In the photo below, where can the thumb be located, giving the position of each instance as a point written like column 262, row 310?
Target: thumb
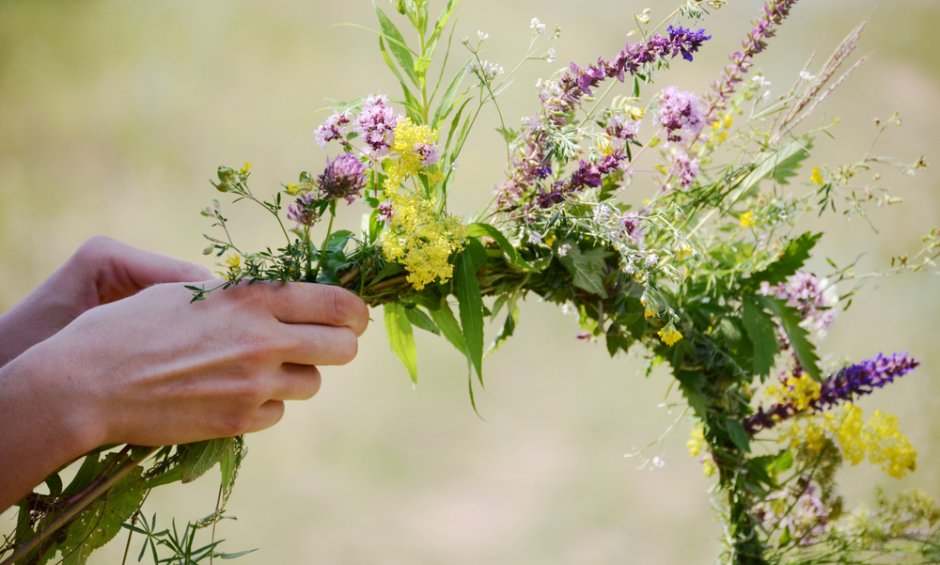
column 127, row 270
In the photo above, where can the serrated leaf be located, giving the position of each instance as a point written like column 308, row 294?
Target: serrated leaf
column 471, row 301
column 802, row 347
column 781, row 163
column 763, row 335
column 738, row 435
column 793, row 257
column 587, row 267
column 103, row 519
column 419, row 319
column 401, row 338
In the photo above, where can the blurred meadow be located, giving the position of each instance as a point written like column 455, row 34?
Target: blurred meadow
column 115, row 114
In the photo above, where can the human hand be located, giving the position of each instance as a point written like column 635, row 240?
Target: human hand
column 101, row 271
column 154, row 369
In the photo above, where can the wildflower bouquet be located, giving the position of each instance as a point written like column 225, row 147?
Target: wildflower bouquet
column 707, row 270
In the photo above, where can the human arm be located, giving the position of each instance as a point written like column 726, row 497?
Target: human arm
column 153, row 369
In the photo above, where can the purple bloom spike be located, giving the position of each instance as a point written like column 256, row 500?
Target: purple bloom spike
column 846, row 385
column 775, row 11
column 343, row 177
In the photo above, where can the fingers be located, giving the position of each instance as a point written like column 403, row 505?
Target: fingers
column 300, row 303
column 318, row 345
column 296, row 382
column 122, row 270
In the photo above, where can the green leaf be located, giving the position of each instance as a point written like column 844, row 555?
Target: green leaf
column 103, row 519
column 338, row 240
column 440, row 26
column 762, row 333
column 397, row 45
column 781, row 164
column 200, row 457
column 509, row 326
column 793, row 257
column 738, row 435
column 450, row 97
column 588, row 268
column 781, row 464
column 401, row 338
column 419, row 319
column 447, row 323
column 394, row 68
column 231, row 459
column 802, row 347
column 512, row 255
column 471, row 301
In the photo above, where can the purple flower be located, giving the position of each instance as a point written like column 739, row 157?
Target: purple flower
column 428, row 153
column 343, row 177
column 376, row 124
column 684, row 170
column 385, row 211
column 680, row 114
column 633, row 227
column 333, row 128
column 846, row 385
column 814, row 298
column 303, row 210
column 775, row 11
column 686, row 40
column 621, row 128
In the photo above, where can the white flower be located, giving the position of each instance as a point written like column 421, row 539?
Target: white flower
column 535, row 237
column 759, row 80
column 537, row 26
column 483, row 35
column 658, row 462
column 807, row 76
column 564, row 249
column 487, row 70
column 550, row 56
column 652, row 260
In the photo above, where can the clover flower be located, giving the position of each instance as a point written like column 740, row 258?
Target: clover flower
column 622, row 128
column 376, row 124
column 343, row 177
column 680, row 114
column 333, row 128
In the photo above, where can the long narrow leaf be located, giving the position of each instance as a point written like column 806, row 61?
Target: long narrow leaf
column 471, row 302
column 401, row 338
column 397, row 45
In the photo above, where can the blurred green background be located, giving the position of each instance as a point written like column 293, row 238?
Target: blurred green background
column 114, row 115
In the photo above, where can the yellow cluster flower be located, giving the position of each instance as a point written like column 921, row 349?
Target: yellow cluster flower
column 721, row 128
column 879, row 440
column 421, row 239
column 233, row 261
column 670, row 335
column 888, row 447
column 696, row 443
column 800, row 391
column 408, row 161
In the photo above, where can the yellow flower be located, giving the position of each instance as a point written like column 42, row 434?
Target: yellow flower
column 421, row 239
column 670, row 335
column 747, row 220
column 233, row 261
column 888, row 447
column 649, row 313
column 407, row 161
column 696, row 443
column 709, row 468
column 683, row 253
column 246, row 168
column 816, row 177
column 634, row 112
column 849, row 433
column 800, row 391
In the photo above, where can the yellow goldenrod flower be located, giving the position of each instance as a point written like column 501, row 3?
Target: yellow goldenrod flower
column 849, row 433
column 408, row 158
column 888, row 447
column 747, row 220
column 800, row 391
column 670, row 335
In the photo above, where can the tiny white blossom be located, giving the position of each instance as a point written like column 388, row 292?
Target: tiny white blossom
column 566, row 309
column 564, row 249
column 652, row 260
column 537, row 26
column 483, row 35
column 535, row 237
column 550, row 56
column 658, row 462
column 807, row 76
column 759, row 80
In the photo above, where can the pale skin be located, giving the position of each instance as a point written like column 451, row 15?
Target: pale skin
column 109, row 350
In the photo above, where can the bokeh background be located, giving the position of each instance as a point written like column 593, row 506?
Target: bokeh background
column 115, row 114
